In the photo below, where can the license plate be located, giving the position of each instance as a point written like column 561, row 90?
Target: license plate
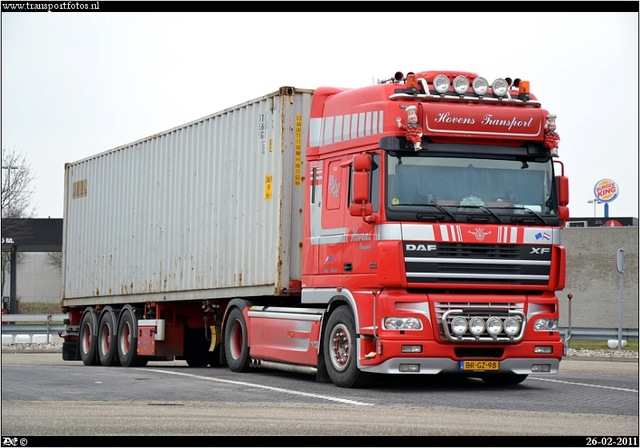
column 479, row 365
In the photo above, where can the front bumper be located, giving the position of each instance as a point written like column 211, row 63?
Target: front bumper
column 434, row 366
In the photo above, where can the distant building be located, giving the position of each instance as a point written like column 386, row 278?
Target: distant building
column 602, row 222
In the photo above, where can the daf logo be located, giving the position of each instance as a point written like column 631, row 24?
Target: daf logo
column 539, row 250
column 421, row 247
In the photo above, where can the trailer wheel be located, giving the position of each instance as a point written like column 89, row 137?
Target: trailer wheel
column 504, row 379
column 128, row 341
column 88, row 338
column 235, row 346
column 107, row 340
column 340, row 351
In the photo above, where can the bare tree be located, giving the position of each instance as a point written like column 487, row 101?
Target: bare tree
column 54, row 260
column 17, row 189
column 17, row 192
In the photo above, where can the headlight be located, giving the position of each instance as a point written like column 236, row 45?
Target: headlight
column 500, row 87
column 459, row 325
column 441, row 84
column 461, row 85
column 494, row 326
column 480, row 86
column 402, row 323
column 476, row 326
column 545, row 325
column 511, row 326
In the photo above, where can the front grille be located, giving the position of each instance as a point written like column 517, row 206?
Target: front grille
column 476, row 263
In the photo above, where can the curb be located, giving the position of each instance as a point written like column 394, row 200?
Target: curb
column 599, row 358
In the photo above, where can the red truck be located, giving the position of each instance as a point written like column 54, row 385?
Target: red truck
column 408, row 227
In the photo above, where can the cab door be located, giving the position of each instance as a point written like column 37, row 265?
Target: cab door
column 360, row 250
column 331, row 232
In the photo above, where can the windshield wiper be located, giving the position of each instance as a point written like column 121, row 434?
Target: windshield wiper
column 442, row 209
column 519, row 219
column 483, row 208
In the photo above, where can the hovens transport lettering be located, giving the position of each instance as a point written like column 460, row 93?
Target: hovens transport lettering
column 487, row 120
column 410, row 227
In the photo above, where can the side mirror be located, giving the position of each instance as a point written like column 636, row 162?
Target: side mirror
column 362, row 162
column 361, row 186
column 363, row 210
column 361, row 205
column 563, row 190
column 563, row 213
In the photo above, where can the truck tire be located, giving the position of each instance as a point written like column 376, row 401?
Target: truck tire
column 235, row 345
column 340, row 350
column 128, row 341
column 504, row 379
column 107, row 339
column 88, row 341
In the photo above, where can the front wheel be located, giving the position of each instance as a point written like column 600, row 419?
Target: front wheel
column 340, row 350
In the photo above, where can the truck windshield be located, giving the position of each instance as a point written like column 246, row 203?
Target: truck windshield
column 451, row 188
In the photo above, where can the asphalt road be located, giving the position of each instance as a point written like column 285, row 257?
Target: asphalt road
column 45, row 396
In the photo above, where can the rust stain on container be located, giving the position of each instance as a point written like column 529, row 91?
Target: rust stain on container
column 200, row 236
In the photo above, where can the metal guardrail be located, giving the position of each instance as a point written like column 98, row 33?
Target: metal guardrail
column 598, row 334
column 34, row 317
column 48, row 327
column 32, row 329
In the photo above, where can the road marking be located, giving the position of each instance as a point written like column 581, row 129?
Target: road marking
column 584, row 384
column 275, row 389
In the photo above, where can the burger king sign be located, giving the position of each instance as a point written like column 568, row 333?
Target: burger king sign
column 606, row 190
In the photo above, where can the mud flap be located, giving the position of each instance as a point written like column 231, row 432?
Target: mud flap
column 321, row 374
column 70, row 351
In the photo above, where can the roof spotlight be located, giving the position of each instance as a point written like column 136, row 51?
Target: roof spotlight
column 500, row 87
column 480, row 86
column 461, row 84
column 441, row 83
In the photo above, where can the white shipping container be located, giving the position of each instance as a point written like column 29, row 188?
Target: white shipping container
column 209, row 209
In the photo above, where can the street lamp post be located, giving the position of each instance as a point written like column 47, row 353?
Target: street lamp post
column 9, row 168
column 13, row 261
column 594, row 202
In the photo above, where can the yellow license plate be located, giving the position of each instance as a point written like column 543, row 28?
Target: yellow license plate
column 479, row 365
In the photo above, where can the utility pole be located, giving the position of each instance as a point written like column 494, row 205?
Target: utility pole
column 13, row 261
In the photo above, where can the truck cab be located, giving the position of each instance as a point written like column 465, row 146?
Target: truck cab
column 444, row 250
